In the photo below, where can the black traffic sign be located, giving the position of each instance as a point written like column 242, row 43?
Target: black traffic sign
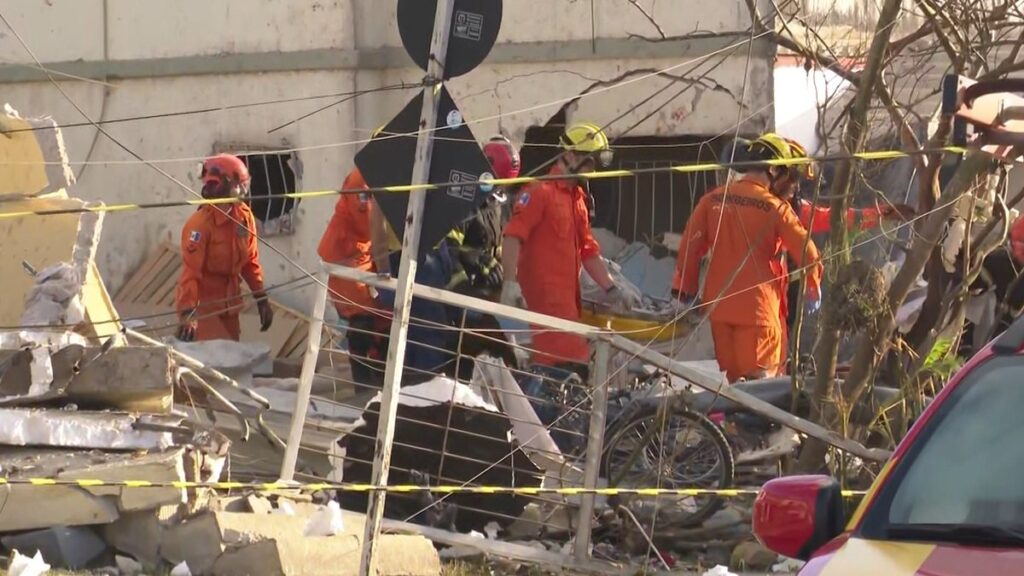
column 475, row 25
column 388, row 160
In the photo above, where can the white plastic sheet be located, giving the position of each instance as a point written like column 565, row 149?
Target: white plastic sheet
column 22, row 565
column 326, row 521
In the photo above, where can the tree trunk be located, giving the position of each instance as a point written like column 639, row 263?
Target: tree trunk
column 877, row 341
column 826, row 350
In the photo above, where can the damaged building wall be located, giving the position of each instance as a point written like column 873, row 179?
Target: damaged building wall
column 164, row 58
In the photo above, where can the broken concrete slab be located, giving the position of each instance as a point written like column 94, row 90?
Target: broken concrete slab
column 249, row 544
column 137, row 534
column 197, row 541
column 88, row 430
column 35, row 158
column 130, row 378
column 33, row 507
column 257, row 558
column 43, row 242
column 237, row 360
column 62, row 546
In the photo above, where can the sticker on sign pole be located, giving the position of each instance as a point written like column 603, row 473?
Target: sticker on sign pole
column 485, row 182
column 475, row 26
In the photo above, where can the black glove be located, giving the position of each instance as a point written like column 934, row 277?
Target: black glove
column 187, row 326
column 266, row 311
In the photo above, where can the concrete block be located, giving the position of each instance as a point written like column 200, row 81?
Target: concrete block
column 225, row 543
column 259, row 558
column 197, row 541
column 62, row 547
column 137, row 534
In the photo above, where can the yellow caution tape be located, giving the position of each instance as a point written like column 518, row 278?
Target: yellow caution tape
column 397, row 489
column 681, row 168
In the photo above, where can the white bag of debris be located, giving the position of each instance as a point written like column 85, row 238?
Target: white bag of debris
column 326, row 521
column 22, row 565
column 56, row 297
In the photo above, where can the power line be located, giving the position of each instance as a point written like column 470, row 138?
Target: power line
column 685, row 168
column 211, row 109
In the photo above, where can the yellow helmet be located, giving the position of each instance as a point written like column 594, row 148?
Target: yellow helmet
column 587, row 138
column 771, row 146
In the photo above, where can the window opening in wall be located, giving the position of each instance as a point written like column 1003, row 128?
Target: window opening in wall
column 643, row 208
column 273, row 174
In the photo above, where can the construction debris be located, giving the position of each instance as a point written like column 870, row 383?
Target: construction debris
column 63, row 547
column 447, row 434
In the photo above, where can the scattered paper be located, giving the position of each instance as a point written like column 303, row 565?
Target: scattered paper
column 181, row 570
column 22, row 565
column 326, row 521
column 719, row 571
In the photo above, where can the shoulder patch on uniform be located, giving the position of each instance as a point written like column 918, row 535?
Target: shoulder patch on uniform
column 194, row 236
column 524, row 198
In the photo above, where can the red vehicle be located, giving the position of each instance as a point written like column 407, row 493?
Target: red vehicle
column 950, row 502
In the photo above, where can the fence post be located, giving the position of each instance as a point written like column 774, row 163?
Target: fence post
column 309, row 360
column 595, row 446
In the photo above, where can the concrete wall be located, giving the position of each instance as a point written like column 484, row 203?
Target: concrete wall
column 163, row 57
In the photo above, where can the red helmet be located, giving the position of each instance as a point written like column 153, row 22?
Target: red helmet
column 1017, row 240
column 503, row 156
column 225, row 168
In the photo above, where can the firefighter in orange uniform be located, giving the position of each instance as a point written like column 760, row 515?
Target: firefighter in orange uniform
column 218, row 249
column 346, row 241
column 546, row 243
column 746, row 227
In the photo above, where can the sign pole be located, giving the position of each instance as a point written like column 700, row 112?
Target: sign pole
column 406, row 277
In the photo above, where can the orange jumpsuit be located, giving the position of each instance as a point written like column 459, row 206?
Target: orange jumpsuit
column 218, row 249
column 347, row 242
column 745, row 228
column 552, row 221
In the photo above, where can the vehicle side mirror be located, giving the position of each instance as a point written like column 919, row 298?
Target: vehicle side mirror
column 795, row 516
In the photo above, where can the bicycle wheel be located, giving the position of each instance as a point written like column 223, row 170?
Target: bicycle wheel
column 671, row 448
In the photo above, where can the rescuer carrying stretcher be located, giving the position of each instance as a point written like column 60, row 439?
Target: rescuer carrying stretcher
column 745, row 228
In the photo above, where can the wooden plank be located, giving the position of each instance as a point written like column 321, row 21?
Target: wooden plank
column 150, row 283
column 145, row 277
column 156, row 327
column 297, row 343
column 169, row 280
column 141, row 273
column 274, row 337
column 169, row 291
